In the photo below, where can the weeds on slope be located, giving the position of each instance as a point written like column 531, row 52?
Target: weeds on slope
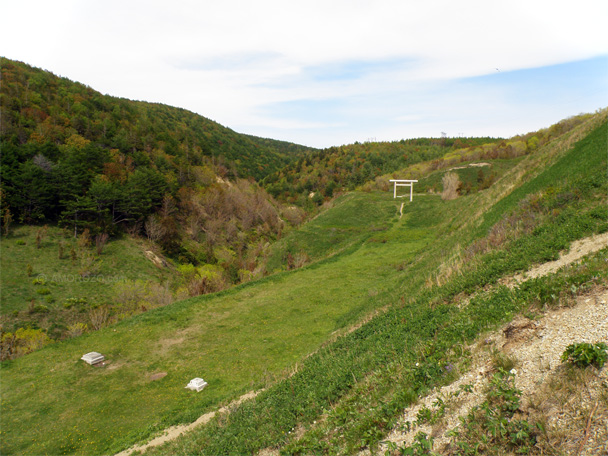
column 392, row 363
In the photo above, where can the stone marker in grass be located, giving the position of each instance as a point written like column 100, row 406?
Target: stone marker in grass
column 196, row 384
column 93, row 358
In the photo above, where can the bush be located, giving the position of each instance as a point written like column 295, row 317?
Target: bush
column 77, row 329
column 70, row 302
column 584, row 354
column 22, row 342
column 40, row 308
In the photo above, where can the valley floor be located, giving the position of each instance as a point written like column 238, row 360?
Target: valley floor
column 578, row 424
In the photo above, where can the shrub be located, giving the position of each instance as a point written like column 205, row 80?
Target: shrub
column 84, row 240
column 99, row 317
column 208, row 279
column 131, row 295
column 40, row 235
column 70, row 302
column 89, row 265
column 77, row 329
column 100, row 242
column 584, row 354
column 40, row 308
column 23, row 341
column 6, row 222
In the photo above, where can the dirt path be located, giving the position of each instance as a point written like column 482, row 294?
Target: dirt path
column 578, row 249
column 536, row 347
column 175, row 431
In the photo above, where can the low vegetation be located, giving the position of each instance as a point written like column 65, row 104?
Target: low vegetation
column 584, row 354
column 56, row 287
column 343, row 321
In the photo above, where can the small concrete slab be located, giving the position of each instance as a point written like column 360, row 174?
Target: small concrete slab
column 93, row 358
column 196, row 384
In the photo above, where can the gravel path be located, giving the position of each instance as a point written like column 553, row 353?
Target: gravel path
column 536, row 346
column 175, row 431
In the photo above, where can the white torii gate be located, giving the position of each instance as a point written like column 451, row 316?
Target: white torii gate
column 403, row 183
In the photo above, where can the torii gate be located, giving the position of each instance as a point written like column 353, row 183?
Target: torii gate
column 403, row 183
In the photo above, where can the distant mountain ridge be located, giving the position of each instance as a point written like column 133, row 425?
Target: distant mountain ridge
column 38, row 107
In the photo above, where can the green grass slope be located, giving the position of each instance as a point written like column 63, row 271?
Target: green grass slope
column 234, row 340
column 43, row 297
column 346, row 224
column 251, row 336
column 347, row 396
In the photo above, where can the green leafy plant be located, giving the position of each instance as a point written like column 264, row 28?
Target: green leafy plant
column 423, row 445
column 491, row 427
column 585, row 354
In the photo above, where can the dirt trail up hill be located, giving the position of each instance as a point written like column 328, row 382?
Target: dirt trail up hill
column 175, row 431
column 537, row 348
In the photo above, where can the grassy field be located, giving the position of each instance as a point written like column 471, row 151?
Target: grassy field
column 333, row 231
column 253, row 335
column 236, row 340
column 346, row 396
column 40, row 296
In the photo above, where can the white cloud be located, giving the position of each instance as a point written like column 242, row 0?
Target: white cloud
column 229, row 60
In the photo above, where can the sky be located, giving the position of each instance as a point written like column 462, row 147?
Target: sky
column 326, row 73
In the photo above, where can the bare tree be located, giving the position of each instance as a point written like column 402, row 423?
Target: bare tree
column 154, row 229
column 450, row 182
column 100, row 242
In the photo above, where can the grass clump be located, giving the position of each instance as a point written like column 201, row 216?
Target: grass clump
column 492, row 427
column 585, row 354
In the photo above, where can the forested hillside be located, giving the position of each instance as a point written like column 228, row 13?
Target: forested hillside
column 40, row 108
column 343, row 168
column 88, row 161
column 71, row 153
column 319, row 174
column 81, row 170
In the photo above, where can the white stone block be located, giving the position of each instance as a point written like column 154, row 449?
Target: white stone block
column 93, row 358
column 196, row 384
